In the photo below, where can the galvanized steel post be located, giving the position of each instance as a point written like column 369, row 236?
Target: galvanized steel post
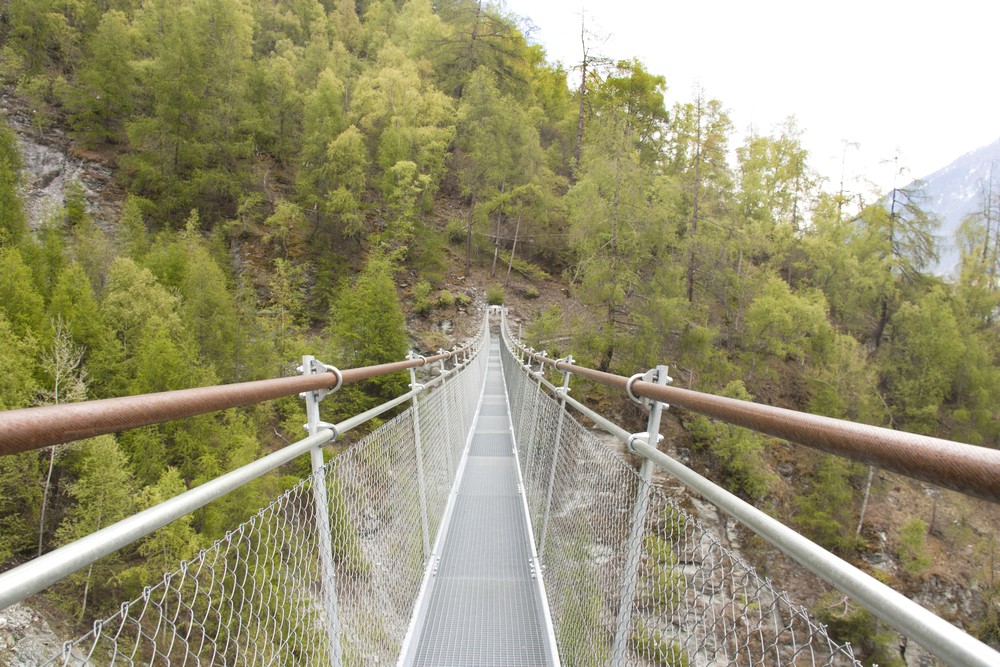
column 329, row 574
column 533, row 423
column 419, row 452
column 563, row 392
column 630, row 572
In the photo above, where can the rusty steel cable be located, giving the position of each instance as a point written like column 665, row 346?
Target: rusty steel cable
column 25, row 429
column 968, row 469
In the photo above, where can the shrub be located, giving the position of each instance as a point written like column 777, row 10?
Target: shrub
column 494, row 295
column 422, row 302
column 846, row 621
column 445, row 299
column 653, row 645
column 912, row 554
column 455, row 231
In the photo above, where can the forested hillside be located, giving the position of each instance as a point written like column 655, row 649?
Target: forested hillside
column 293, row 167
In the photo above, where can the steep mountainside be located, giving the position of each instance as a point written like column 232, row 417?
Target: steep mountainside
column 957, row 191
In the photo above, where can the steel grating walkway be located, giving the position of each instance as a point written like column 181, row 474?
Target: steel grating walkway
column 482, row 605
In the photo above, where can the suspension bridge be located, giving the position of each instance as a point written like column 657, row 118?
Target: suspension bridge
column 482, row 525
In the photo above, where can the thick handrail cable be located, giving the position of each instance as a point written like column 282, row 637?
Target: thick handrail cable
column 968, row 469
column 25, row 429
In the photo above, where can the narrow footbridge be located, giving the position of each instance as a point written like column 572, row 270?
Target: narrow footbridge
column 481, row 525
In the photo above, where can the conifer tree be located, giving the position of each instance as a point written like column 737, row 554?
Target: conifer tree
column 367, row 327
column 102, row 494
column 13, row 224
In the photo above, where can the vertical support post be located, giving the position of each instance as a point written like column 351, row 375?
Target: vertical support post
column 447, row 417
column 421, row 482
column 322, row 508
column 630, row 573
column 533, row 423
column 555, row 459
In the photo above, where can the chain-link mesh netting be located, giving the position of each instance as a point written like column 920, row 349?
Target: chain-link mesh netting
column 256, row 597
column 693, row 602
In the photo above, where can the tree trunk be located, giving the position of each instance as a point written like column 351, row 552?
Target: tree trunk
column 45, row 497
column 583, row 94
column 864, row 500
column 883, row 319
column 86, row 593
column 694, row 207
column 513, row 249
column 496, row 235
column 468, row 237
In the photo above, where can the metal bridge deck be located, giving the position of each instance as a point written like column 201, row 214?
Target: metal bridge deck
column 482, row 606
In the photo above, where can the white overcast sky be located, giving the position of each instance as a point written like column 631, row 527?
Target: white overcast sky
column 913, row 78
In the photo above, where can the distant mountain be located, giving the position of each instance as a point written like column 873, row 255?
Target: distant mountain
column 954, row 192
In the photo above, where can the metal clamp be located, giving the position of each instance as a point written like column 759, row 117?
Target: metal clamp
column 325, row 425
column 568, row 359
column 648, row 376
column 315, row 368
column 642, row 436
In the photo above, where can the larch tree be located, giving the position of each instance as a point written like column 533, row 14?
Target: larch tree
column 697, row 144
column 104, row 90
column 20, row 474
column 481, row 36
column 498, row 151
column 102, row 494
column 13, row 223
column 367, row 327
column 191, row 141
column 618, row 221
column 62, row 366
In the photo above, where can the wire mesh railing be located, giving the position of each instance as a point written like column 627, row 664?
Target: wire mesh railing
column 257, row 596
column 329, row 573
column 692, row 602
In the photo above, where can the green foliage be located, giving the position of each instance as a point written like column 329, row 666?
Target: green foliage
column 912, row 550
column 21, row 482
column 422, row 302
column 103, row 494
column 494, row 295
column 988, row 628
column 18, row 359
column 367, row 327
column 656, row 645
column 846, row 621
column 826, row 513
column 103, row 93
column 738, row 450
column 346, row 545
column 191, row 142
column 346, row 165
column 166, row 547
column 19, row 298
column 923, row 359
column 13, row 224
column 787, row 325
column 662, row 583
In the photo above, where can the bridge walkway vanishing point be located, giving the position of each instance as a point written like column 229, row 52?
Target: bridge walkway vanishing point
column 483, row 525
column 484, row 603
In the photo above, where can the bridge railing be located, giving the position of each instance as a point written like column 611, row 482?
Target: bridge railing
column 326, row 574
column 632, row 577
